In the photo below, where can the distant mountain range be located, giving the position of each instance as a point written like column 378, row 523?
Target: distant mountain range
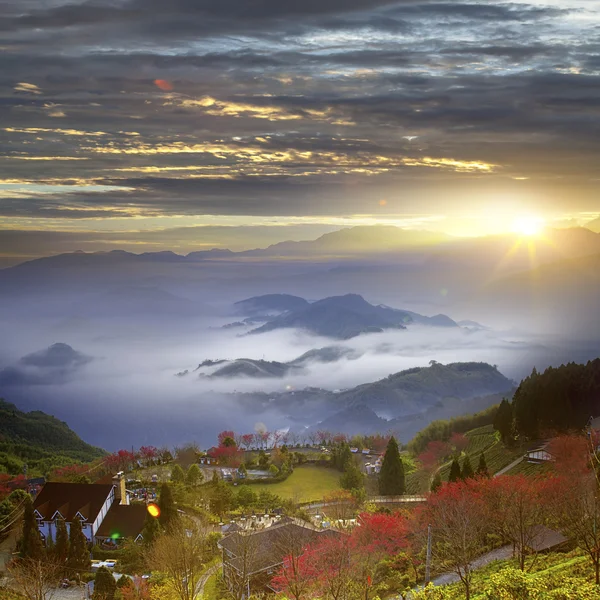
column 339, row 317
column 55, row 364
column 417, row 395
column 259, row 369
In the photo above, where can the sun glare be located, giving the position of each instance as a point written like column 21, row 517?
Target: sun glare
column 528, row 226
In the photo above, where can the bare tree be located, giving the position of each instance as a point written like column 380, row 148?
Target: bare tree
column 36, row 579
column 182, row 554
column 238, row 568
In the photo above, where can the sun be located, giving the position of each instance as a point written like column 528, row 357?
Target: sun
column 528, row 226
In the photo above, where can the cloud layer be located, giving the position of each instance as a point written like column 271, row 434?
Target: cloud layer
column 135, row 108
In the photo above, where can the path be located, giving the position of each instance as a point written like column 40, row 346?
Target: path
column 204, row 579
column 503, row 553
column 509, row 467
column 374, row 500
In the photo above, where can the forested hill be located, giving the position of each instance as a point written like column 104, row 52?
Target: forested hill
column 36, row 438
column 560, row 399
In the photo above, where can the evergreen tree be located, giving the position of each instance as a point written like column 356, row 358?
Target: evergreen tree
column 504, row 420
column 391, row 476
column 177, row 474
column 78, row 558
column 105, row 585
column 467, row 470
column 31, row 540
column 168, row 512
column 482, row 469
column 194, row 476
column 353, row 478
column 61, row 548
column 455, row 473
column 151, row 530
column 436, row 484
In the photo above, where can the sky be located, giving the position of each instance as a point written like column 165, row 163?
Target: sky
column 192, row 124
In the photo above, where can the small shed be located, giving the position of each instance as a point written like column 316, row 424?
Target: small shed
column 544, row 539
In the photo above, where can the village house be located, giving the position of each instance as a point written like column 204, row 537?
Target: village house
column 102, row 508
column 252, row 558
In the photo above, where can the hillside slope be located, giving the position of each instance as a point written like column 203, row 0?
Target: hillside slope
column 38, row 439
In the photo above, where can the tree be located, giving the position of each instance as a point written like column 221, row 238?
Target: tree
column 105, row 585
column 193, row 476
column 482, row 469
column 459, row 523
column 352, row 478
column 391, row 476
column 166, row 504
column 78, row 559
column 459, row 441
column 136, row 589
column 61, row 547
column 455, row 472
column 246, row 496
column 177, row 474
column 35, row 578
column 504, row 420
column 151, row 530
column 181, row 553
column 467, row 470
column 220, row 498
column 436, row 484
column 515, row 506
column 31, row 541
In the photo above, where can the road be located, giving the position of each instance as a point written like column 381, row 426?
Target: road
column 202, row 583
column 509, row 467
column 503, row 553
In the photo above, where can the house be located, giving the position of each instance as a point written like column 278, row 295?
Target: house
column 539, row 455
column 252, row 558
column 544, row 539
column 102, row 508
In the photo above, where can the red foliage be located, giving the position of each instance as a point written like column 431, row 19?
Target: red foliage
column 148, row 454
column 380, row 534
column 247, row 440
column 571, row 454
column 459, row 441
column 433, row 454
column 136, row 589
column 10, row 483
column 224, row 435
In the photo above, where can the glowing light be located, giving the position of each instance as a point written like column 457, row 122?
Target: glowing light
column 382, row 202
column 528, row 226
column 115, row 536
column 153, row 510
column 163, row 84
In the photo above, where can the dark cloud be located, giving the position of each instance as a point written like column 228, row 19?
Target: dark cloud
column 290, row 108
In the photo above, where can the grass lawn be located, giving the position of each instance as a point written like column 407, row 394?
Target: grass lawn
column 305, row 484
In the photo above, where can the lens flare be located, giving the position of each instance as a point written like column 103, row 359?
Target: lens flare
column 153, row 510
column 163, row 84
column 528, row 226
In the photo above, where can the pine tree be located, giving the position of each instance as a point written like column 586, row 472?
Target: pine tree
column 467, row 470
column 168, row 512
column 455, row 473
column 79, row 556
column 193, row 476
column 31, row 540
column 391, row 476
column 436, row 484
column 151, row 530
column 353, row 478
column 482, row 469
column 503, row 420
column 61, row 548
column 105, row 585
column 177, row 474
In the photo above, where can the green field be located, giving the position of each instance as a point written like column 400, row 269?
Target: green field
column 305, row 484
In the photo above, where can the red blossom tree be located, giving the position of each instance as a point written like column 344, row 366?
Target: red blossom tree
column 459, row 442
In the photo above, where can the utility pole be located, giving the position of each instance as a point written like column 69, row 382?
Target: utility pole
column 428, row 559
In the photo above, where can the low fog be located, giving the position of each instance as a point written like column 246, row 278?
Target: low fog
column 120, row 387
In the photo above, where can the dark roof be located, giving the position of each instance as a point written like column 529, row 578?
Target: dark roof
column 543, row 538
column 123, row 521
column 268, row 547
column 71, row 498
